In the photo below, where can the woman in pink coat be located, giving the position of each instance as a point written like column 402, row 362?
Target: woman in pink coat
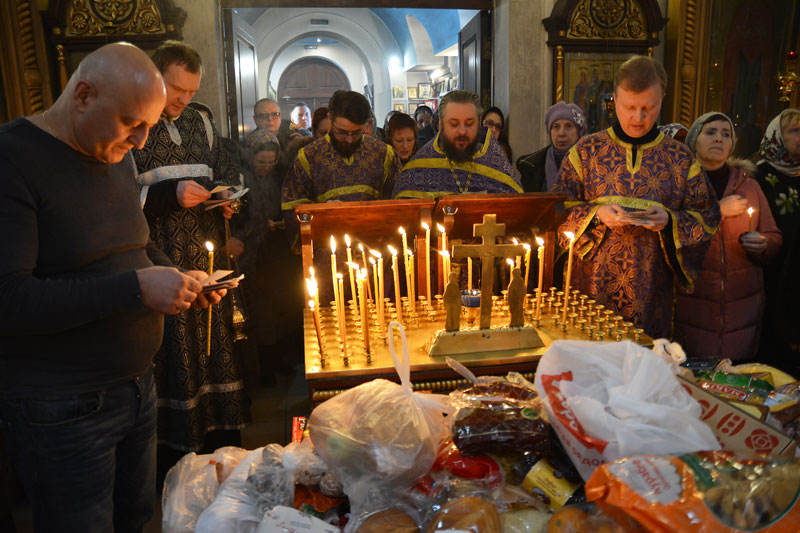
column 722, row 317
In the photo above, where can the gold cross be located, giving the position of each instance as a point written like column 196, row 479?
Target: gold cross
column 487, row 251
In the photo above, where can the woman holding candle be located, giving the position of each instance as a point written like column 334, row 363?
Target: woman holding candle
column 722, row 317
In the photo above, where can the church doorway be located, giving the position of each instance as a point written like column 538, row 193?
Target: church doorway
column 310, row 80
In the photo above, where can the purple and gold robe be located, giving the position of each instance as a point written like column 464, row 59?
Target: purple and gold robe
column 630, row 269
column 430, row 173
column 320, row 174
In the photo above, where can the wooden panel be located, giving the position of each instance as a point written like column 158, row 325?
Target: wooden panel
column 475, row 57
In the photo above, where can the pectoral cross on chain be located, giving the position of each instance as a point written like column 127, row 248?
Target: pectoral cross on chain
column 487, row 251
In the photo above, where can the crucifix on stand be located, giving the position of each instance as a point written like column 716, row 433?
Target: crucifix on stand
column 487, row 251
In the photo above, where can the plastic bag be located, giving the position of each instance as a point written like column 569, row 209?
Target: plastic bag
column 612, row 400
column 380, row 437
column 234, row 508
column 192, row 484
column 707, row 492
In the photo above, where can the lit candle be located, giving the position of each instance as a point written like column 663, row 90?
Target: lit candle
column 571, row 237
column 315, row 287
column 362, row 283
column 375, row 281
column 444, row 236
column 350, row 272
column 353, row 267
column 540, row 256
column 469, row 273
column 402, row 231
column 750, row 221
column 364, row 260
column 396, row 274
column 510, row 263
column 445, row 265
column 342, row 321
column 527, row 264
column 315, row 316
column 427, row 259
column 210, row 248
column 519, row 259
column 379, row 289
column 410, row 287
column 333, row 272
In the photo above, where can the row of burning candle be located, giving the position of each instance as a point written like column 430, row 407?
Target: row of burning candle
column 362, row 297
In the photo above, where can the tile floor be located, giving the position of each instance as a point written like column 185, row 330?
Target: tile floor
column 272, row 411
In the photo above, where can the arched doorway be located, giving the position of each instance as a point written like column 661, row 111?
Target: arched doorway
column 311, row 80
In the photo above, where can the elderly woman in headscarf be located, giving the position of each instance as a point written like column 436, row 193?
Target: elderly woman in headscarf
column 779, row 176
column 566, row 124
column 721, row 318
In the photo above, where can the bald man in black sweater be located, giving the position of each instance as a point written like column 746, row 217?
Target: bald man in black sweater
column 82, row 297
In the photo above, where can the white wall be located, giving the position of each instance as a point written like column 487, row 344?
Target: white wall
column 343, row 56
column 359, row 29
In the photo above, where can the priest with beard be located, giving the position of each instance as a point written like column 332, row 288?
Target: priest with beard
column 461, row 159
column 344, row 166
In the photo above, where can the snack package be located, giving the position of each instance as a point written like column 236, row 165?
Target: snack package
column 612, row 400
column 778, row 377
column 380, row 437
column 706, row 492
column 192, row 484
column 588, row 518
column 468, row 514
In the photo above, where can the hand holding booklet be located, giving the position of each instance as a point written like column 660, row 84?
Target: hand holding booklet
column 213, row 283
column 636, row 218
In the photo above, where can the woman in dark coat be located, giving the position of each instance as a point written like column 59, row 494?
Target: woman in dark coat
column 722, row 317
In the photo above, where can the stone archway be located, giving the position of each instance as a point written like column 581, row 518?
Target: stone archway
column 311, row 80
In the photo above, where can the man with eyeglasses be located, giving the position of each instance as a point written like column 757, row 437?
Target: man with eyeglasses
column 267, row 116
column 462, row 158
column 344, row 166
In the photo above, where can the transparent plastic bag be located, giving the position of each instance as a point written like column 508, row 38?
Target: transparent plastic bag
column 192, row 484
column 611, row 400
column 380, row 436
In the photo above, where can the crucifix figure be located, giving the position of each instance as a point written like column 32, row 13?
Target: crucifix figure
column 487, row 251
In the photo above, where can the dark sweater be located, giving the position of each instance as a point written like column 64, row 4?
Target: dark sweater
column 73, row 233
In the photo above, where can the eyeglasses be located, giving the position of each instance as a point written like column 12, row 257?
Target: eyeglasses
column 492, row 124
column 262, row 116
column 267, row 165
column 345, row 135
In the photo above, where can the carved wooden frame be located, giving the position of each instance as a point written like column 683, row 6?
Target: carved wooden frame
column 559, row 26
column 134, row 24
column 23, row 58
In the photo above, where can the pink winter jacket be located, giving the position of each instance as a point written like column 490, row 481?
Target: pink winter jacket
column 722, row 317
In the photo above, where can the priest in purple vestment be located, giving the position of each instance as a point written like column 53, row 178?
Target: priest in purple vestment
column 462, row 158
column 640, row 206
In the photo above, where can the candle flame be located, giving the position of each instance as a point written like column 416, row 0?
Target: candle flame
column 352, row 265
column 361, row 247
column 750, row 211
column 362, row 274
column 311, row 304
column 526, row 246
column 401, row 230
column 426, row 226
column 371, row 260
column 510, row 262
column 311, row 284
column 570, row 235
column 333, row 245
column 311, row 271
column 376, row 253
column 410, row 253
column 347, row 240
column 514, row 240
column 444, row 253
column 539, row 241
column 392, row 250
column 440, row 228
column 340, row 275
column 209, row 246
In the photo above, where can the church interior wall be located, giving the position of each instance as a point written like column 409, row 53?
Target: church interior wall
column 342, row 55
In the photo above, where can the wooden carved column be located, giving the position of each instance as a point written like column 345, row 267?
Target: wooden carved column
column 688, row 33
column 23, row 59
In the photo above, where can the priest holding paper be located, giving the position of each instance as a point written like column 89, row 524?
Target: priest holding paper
column 179, row 168
column 640, row 206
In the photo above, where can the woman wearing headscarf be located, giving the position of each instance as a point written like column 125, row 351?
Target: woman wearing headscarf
column 779, row 176
column 721, row 318
column 566, row 124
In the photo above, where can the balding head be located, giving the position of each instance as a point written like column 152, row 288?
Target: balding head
column 111, row 101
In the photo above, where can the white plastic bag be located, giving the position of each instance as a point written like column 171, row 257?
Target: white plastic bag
column 191, row 485
column 380, row 437
column 608, row 400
